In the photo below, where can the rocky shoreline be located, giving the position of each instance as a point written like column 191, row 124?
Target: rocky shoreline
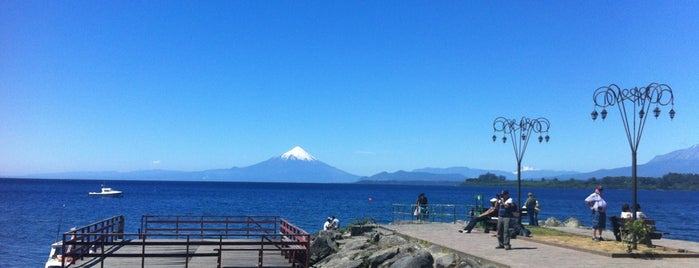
column 376, row 247
column 370, row 245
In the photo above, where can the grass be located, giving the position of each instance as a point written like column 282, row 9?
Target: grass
column 585, row 242
column 541, row 231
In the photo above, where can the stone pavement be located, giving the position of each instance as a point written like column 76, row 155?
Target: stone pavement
column 526, row 253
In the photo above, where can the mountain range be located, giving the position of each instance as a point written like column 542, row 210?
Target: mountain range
column 297, row 165
column 680, row 161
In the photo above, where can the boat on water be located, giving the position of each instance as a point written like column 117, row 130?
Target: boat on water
column 56, row 253
column 106, row 191
column 55, row 256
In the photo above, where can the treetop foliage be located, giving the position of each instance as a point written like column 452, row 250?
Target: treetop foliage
column 670, row 181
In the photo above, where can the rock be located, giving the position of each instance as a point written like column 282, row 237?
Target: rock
column 356, row 230
column 382, row 256
column 444, row 260
column 375, row 237
column 322, row 245
column 352, row 244
column 572, row 222
column 343, row 263
column 391, row 240
column 380, row 248
column 434, row 249
column 553, row 222
column 418, row 259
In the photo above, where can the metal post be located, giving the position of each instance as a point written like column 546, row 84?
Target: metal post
column 639, row 101
column 519, row 133
column 519, row 187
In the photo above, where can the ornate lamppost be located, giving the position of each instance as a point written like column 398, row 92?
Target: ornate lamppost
column 519, row 133
column 634, row 105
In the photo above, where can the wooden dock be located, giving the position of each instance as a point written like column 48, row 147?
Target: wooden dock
column 245, row 254
column 188, row 241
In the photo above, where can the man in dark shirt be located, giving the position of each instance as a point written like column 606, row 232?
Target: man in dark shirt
column 505, row 214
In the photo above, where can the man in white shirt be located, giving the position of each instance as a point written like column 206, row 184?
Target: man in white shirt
column 599, row 212
column 328, row 225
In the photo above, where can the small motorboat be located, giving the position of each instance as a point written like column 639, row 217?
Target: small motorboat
column 106, row 191
column 56, row 256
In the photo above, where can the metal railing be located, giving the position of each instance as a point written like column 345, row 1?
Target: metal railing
column 209, row 225
column 78, row 242
column 435, row 212
column 186, row 232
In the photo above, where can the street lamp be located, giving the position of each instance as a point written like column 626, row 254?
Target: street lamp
column 632, row 102
column 519, row 133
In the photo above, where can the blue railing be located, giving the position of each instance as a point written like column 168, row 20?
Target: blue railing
column 438, row 212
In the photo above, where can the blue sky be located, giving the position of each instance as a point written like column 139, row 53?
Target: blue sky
column 365, row 86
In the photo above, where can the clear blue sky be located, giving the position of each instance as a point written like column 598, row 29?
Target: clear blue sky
column 365, row 86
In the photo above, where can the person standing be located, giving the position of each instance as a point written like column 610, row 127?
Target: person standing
column 531, row 205
column 421, row 204
column 505, row 214
column 599, row 208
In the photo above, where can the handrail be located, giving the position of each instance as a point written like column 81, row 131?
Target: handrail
column 77, row 242
column 437, row 212
column 294, row 234
column 208, row 225
column 268, row 233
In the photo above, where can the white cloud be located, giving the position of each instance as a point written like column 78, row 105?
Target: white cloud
column 525, row 169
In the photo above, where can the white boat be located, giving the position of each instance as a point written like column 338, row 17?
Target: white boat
column 106, row 191
column 55, row 256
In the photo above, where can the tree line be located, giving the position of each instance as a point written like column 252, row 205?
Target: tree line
column 670, row 181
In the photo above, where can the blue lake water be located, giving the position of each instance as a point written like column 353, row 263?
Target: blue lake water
column 31, row 211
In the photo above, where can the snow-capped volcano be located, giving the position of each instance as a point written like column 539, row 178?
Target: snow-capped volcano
column 298, row 153
column 296, row 165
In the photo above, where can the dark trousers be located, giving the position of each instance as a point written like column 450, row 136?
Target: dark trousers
column 533, row 221
column 475, row 220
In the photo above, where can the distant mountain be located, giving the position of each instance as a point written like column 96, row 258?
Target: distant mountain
column 296, row 165
column 151, row 175
column 464, row 171
column 689, row 154
column 474, row 173
column 680, row 161
column 452, row 175
column 405, row 176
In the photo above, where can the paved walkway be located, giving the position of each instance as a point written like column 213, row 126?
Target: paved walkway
column 532, row 254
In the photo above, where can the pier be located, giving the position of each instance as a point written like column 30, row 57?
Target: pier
column 188, row 241
column 270, row 241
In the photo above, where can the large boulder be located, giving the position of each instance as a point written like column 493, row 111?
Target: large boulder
column 380, row 248
column 354, row 244
column 553, row 222
column 420, row 258
column 382, row 256
column 444, row 260
column 323, row 245
column 391, row 240
column 572, row 222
